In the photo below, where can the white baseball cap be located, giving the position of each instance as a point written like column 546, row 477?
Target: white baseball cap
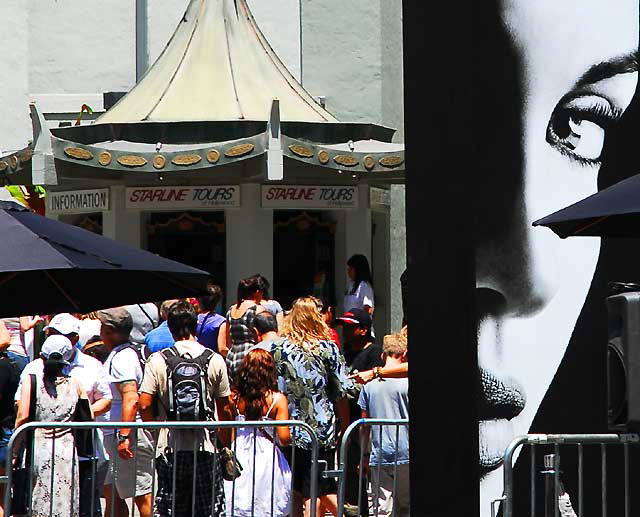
column 57, row 344
column 65, row 324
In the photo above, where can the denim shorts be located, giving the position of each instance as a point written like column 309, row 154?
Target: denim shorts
column 5, row 436
column 18, row 361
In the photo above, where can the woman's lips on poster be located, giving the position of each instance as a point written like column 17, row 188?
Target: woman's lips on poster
column 501, row 401
column 502, row 398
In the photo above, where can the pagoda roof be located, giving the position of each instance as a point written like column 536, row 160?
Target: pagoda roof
column 216, row 66
column 217, row 95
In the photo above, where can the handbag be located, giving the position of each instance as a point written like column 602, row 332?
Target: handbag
column 231, row 467
column 21, row 475
column 85, row 445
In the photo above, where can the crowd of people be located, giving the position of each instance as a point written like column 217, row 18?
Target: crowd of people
column 182, row 361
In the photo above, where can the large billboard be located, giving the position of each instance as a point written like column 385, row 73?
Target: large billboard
column 553, row 80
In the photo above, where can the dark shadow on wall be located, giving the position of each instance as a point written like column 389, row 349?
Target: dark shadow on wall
column 443, row 385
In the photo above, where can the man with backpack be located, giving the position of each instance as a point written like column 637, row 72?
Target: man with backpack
column 126, row 477
column 186, row 382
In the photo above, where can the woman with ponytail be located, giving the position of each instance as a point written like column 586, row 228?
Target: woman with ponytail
column 55, row 461
column 264, row 465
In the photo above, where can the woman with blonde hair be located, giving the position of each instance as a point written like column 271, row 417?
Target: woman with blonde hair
column 313, row 375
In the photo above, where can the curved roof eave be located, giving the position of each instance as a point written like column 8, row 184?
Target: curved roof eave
column 191, row 132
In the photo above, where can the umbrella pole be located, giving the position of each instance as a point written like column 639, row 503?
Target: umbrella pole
column 8, row 278
column 69, row 299
column 589, row 225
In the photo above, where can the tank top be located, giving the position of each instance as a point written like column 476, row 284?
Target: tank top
column 270, row 431
column 241, row 329
column 17, row 336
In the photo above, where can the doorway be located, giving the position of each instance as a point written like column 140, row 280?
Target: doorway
column 303, row 260
column 193, row 238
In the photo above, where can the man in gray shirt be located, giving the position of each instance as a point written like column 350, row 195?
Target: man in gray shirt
column 145, row 317
column 127, row 477
column 389, row 459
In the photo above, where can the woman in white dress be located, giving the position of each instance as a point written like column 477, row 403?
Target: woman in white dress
column 264, row 487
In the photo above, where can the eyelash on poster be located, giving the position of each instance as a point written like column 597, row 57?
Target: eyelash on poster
column 603, row 116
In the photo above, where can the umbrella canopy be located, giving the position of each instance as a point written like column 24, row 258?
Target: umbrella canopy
column 612, row 212
column 47, row 266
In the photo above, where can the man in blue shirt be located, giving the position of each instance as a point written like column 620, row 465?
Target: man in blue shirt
column 160, row 337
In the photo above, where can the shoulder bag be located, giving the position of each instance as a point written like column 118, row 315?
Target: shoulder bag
column 84, row 437
column 22, row 483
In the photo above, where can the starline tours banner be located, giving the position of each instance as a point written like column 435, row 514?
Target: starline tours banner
column 555, row 120
column 183, row 197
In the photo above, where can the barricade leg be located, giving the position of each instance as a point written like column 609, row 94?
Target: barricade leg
column 387, row 479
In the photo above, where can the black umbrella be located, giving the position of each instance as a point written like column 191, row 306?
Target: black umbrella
column 47, row 266
column 612, row 212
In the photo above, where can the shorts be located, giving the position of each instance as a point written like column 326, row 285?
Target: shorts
column 130, row 483
column 209, row 499
column 5, row 436
column 301, row 470
column 18, row 361
column 384, row 502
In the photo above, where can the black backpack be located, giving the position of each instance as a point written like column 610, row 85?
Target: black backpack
column 187, row 385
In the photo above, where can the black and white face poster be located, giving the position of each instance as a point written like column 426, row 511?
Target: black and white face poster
column 554, row 82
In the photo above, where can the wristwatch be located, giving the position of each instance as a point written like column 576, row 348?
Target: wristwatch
column 121, row 437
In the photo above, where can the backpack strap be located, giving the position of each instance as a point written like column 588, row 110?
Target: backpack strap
column 168, row 354
column 153, row 324
column 204, row 358
column 138, row 349
column 207, row 355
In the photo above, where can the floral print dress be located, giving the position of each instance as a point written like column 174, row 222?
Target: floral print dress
column 313, row 377
column 55, row 486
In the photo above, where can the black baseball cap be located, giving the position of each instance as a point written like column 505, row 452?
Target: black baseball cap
column 358, row 317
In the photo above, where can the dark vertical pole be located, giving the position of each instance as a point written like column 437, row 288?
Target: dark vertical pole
column 142, row 43
column 440, row 253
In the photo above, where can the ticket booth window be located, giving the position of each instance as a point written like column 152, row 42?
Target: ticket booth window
column 193, row 238
column 89, row 222
column 303, row 261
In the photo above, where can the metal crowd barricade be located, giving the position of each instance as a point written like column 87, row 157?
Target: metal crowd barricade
column 552, row 465
column 365, row 489
column 256, row 426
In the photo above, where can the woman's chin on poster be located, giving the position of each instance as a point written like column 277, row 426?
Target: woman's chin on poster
column 571, row 73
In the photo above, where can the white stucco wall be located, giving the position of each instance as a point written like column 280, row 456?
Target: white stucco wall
column 15, row 126
column 342, row 56
column 391, row 78
column 81, row 47
column 392, row 110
